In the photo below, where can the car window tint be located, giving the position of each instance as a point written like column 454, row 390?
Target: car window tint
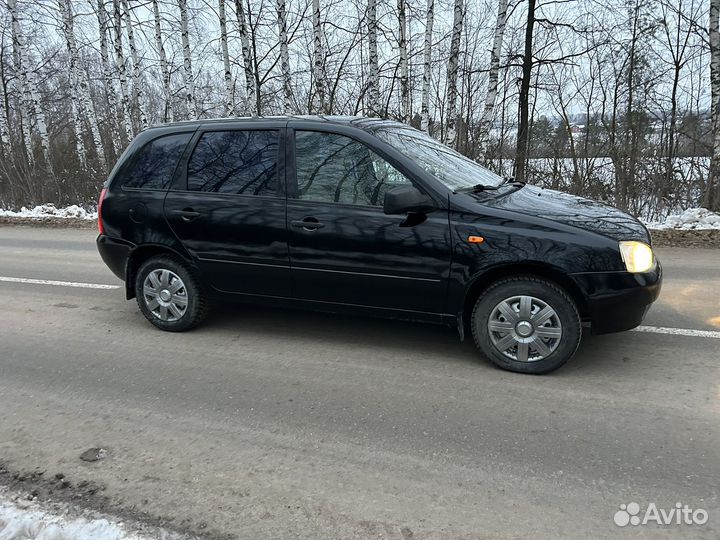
column 239, row 162
column 335, row 168
column 154, row 165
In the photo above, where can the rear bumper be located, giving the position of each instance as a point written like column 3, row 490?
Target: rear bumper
column 618, row 301
column 114, row 253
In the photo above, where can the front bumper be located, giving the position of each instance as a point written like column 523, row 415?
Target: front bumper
column 618, row 301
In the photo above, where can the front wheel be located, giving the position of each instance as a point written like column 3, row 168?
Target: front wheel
column 169, row 294
column 526, row 324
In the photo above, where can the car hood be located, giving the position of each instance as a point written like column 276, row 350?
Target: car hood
column 568, row 209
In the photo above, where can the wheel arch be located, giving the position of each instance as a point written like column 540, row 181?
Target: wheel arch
column 538, row 270
column 141, row 254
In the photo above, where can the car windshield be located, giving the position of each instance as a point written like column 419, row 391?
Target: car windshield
column 450, row 167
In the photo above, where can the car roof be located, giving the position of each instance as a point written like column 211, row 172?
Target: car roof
column 362, row 122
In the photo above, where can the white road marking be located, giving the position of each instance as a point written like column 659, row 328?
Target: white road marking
column 647, row 329
column 58, row 283
column 678, row 331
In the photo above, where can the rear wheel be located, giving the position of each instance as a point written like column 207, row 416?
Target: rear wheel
column 169, row 294
column 526, row 324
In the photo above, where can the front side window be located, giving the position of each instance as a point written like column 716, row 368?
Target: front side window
column 236, row 162
column 338, row 169
column 154, row 165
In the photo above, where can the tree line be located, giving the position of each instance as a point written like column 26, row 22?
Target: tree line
column 614, row 99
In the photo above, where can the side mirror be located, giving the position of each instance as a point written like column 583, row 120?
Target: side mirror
column 404, row 199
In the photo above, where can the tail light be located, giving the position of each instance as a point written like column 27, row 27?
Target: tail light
column 101, row 226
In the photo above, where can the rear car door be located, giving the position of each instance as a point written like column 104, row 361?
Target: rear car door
column 343, row 247
column 228, row 208
column 133, row 206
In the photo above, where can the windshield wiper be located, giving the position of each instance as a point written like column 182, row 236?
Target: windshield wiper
column 508, row 180
column 476, row 188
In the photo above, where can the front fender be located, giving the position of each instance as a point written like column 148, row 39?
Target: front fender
column 511, row 246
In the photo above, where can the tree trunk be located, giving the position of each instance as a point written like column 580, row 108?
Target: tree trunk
column 30, row 98
column 672, row 130
column 77, row 122
column 229, row 108
column 452, row 74
column 427, row 66
column 187, row 61
column 711, row 199
column 631, row 129
column 110, row 91
column 404, row 75
column 319, row 59
column 250, row 87
column 122, row 74
column 521, row 153
column 164, row 66
column 137, row 86
column 80, row 88
column 5, row 146
column 21, row 83
column 486, row 120
column 284, row 57
column 374, row 70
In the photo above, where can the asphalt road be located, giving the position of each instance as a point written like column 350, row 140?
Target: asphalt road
column 264, row 423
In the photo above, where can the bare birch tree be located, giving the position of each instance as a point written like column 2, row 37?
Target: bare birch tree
column 21, row 82
column 427, row 66
column 30, row 99
column 122, row 73
column 167, row 113
column 137, row 84
column 229, row 105
column 83, row 105
column 452, row 74
column 251, row 94
column 284, row 56
column 109, row 82
column 187, row 61
column 493, row 80
column 373, row 90
column 404, row 75
column 77, row 122
column 5, row 143
column 319, row 76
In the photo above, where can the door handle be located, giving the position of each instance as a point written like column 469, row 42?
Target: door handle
column 309, row 224
column 187, row 214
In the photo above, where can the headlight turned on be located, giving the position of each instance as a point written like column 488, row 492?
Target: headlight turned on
column 637, row 256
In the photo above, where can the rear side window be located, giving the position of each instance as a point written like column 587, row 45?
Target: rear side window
column 235, row 162
column 153, row 166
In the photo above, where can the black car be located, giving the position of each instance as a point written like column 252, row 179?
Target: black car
column 367, row 216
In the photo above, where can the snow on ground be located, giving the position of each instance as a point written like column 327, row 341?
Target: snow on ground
column 692, row 218
column 21, row 519
column 49, row 210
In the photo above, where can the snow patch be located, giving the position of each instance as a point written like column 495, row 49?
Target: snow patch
column 690, row 219
column 49, row 210
column 27, row 520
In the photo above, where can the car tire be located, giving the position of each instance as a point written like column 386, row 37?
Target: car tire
column 169, row 294
column 526, row 324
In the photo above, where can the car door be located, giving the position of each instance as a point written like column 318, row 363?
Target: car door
column 228, row 208
column 343, row 248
